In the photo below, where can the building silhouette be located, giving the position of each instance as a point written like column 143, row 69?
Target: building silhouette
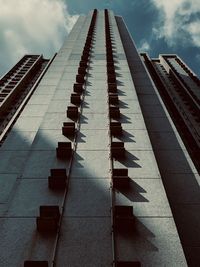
column 99, row 156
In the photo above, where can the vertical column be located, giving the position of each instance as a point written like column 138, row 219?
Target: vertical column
column 86, row 229
column 50, row 217
column 28, row 154
column 123, row 219
column 154, row 235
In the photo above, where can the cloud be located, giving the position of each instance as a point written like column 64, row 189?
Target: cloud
column 144, row 46
column 36, row 26
column 194, row 29
column 179, row 22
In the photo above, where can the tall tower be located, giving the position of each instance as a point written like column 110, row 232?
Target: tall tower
column 84, row 156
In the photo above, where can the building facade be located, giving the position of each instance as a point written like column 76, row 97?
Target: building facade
column 95, row 167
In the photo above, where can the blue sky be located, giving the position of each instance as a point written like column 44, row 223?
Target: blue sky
column 157, row 26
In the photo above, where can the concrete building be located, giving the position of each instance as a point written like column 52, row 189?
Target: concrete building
column 96, row 168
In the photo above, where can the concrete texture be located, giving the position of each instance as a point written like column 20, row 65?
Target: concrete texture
column 92, row 140
column 19, row 140
column 150, row 244
column 27, row 156
column 141, row 164
column 147, row 245
column 86, row 227
column 88, row 198
column 141, row 195
column 23, row 241
column 179, row 175
column 7, row 183
column 85, row 242
column 48, row 139
column 40, row 162
column 29, row 153
column 37, row 193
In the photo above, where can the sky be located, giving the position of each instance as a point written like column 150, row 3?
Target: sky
column 157, row 26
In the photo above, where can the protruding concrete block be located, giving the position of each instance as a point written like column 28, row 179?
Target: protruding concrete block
column 82, row 70
column 68, row 128
column 36, row 264
column 127, row 264
column 123, row 218
column 117, row 149
column 114, row 112
column 83, row 63
column 64, row 150
column 58, row 179
column 75, row 99
column 120, row 178
column 72, row 112
column 78, row 88
column 113, row 99
column 112, row 87
column 48, row 219
column 80, row 78
column 116, row 128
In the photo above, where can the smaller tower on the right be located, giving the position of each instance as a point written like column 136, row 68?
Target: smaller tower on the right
column 179, row 88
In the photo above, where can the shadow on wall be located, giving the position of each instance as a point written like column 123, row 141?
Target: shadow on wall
column 28, row 189
column 180, row 182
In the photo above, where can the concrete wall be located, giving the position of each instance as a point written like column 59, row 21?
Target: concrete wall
column 29, row 153
column 179, row 175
